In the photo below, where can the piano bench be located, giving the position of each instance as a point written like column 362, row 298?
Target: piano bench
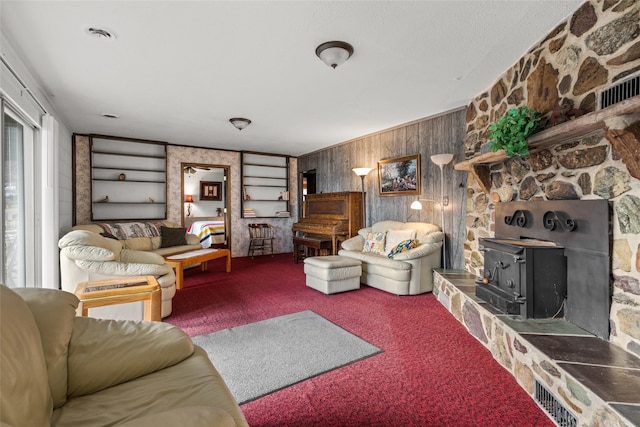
column 333, row 274
column 318, row 244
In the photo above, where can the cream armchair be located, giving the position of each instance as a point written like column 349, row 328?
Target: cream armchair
column 87, row 256
column 406, row 273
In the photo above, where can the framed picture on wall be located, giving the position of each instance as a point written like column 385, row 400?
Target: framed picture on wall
column 210, row 190
column 399, row 176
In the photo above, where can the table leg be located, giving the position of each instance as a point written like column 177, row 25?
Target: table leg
column 152, row 307
column 179, row 276
column 228, row 262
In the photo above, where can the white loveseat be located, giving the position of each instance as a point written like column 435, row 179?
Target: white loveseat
column 406, row 273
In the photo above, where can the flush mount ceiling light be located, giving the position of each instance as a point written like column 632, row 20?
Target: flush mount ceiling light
column 110, row 116
column 334, row 53
column 240, row 123
column 100, row 33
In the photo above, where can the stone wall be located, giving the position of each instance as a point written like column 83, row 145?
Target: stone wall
column 596, row 47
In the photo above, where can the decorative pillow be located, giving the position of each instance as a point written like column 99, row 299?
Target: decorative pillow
column 108, row 235
column 172, row 236
column 374, row 243
column 396, row 236
column 403, row 247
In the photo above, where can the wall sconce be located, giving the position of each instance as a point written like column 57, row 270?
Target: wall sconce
column 188, row 198
column 441, row 160
column 362, row 172
column 240, row 123
column 334, row 53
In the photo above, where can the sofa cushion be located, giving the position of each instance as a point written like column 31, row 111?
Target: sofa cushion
column 403, row 246
column 25, row 398
column 374, row 243
column 54, row 312
column 396, row 236
column 112, row 268
column 173, row 236
column 104, row 353
column 192, row 382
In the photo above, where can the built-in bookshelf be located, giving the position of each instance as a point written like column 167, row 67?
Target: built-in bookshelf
column 265, row 185
column 128, row 179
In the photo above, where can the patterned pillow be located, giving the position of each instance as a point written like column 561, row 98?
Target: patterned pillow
column 403, row 247
column 374, row 243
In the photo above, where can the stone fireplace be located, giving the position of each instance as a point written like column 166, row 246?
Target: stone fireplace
column 590, row 157
column 550, row 259
column 584, row 153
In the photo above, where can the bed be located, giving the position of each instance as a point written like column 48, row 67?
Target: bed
column 209, row 231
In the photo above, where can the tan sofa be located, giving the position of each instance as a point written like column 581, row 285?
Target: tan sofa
column 86, row 255
column 63, row 370
column 407, row 273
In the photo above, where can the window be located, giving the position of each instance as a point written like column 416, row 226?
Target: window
column 17, row 253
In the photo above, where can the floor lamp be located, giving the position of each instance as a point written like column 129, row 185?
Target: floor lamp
column 362, row 172
column 441, row 160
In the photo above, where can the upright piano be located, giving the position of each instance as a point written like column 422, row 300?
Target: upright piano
column 335, row 216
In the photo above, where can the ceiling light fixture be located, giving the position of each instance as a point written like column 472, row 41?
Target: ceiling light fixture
column 240, row 123
column 110, row 116
column 334, row 53
column 100, row 33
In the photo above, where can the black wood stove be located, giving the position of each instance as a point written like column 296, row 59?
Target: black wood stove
column 525, row 277
column 550, row 259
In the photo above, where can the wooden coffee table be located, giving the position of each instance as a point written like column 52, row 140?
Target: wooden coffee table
column 99, row 293
column 185, row 259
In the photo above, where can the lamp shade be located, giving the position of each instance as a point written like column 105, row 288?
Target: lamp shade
column 416, row 205
column 188, row 198
column 442, row 159
column 334, row 53
column 361, row 171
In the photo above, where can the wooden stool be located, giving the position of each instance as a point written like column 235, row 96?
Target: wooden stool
column 100, row 293
column 317, row 244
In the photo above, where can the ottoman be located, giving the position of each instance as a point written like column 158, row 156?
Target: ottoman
column 331, row 274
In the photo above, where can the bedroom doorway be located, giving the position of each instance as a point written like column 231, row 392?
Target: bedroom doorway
column 205, row 195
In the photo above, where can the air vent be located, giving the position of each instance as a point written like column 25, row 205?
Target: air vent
column 554, row 408
column 621, row 91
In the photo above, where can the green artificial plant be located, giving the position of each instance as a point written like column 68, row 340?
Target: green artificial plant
column 511, row 131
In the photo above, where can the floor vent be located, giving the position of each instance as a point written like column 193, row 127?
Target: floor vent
column 621, row 91
column 554, row 408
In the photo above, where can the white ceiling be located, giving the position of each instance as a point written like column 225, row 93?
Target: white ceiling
column 179, row 70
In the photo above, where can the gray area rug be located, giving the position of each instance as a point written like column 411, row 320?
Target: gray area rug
column 263, row 357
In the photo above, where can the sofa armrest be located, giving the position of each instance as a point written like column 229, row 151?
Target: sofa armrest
column 192, row 239
column 142, row 257
column 356, row 243
column 104, row 353
column 419, row 252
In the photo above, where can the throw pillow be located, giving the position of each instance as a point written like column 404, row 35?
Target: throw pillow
column 172, row 236
column 109, row 236
column 396, row 236
column 374, row 243
column 403, row 247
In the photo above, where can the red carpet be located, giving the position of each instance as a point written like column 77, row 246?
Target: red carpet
column 431, row 371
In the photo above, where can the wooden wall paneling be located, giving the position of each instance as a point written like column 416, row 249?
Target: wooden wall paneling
column 441, row 134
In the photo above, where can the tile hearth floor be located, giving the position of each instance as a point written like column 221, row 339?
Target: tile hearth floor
column 604, row 368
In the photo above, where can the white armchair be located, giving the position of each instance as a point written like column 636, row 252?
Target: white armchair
column 405, row 273
column 86, row 256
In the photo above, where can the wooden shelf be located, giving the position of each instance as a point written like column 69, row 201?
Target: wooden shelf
column 564, row 132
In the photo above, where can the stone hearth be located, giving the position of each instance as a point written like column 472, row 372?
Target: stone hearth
column 598, row 382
